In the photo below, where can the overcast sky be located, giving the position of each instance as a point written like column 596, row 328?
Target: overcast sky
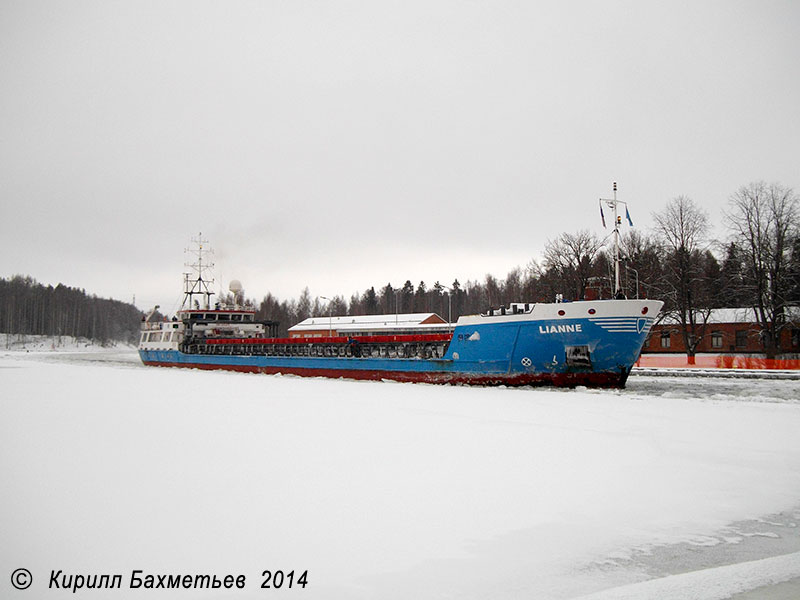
column 340, row 145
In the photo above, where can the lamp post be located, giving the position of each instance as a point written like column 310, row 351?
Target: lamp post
column 637, row 279
column 330, row 318
column 449, row 306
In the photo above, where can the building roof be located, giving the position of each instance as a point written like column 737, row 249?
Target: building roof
column 371, row 322
column 736, row 315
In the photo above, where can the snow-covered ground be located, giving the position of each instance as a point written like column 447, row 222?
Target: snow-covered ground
column 13, row 342
column 672, row 488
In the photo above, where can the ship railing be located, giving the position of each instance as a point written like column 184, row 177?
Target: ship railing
column 515, row 308
column 407, row 346
column 153, row 325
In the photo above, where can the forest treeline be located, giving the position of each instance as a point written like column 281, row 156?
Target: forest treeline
column 757, row 265
column 28, row 307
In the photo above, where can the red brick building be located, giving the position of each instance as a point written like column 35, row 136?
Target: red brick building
column 726, row 330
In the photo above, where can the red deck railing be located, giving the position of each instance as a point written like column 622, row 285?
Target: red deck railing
column 364, row 339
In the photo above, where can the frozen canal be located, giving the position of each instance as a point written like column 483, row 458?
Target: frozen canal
column 672, row 488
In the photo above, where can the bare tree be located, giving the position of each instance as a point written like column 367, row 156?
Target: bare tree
column 304, row 305
column 493, row 292
column 641, row 258
column 681, row 229
column 763, row 219
column 512, row 289
column 571, row 257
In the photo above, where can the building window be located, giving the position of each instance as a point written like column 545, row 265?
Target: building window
column 666, row 341
column 795, row 338
column 741, row 338
column 716, row 339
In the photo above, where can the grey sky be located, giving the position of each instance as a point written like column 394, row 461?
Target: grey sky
column 346, row 144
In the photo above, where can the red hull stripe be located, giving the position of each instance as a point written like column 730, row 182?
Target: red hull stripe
column 518, row 379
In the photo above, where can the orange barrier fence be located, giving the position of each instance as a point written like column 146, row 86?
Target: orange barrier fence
column 716, row 361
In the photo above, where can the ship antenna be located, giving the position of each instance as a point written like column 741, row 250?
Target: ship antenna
column 198, row 285
column 613, row 204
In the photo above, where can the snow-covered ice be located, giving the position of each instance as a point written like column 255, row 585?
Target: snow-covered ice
column 387, row 490
column 719, row 583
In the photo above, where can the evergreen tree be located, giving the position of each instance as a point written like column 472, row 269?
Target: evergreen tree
column 421, row 298
column 355, row 308
column 457, row 302
column 387, row 299
column 370, row 302
column 407, row 297
column 27, row 307
column 793, row 295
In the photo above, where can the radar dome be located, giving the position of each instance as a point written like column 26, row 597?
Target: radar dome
column 235, row 286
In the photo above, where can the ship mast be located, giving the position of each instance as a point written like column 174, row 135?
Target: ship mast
column 197, row 286
column 613, row 205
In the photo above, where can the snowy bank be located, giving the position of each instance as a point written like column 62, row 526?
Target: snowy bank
column 22, row 342
column 719, row 583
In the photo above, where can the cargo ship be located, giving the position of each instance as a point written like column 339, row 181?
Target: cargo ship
column 581, row 343
column 588, row 343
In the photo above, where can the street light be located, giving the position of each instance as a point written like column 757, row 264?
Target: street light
column 449, row 306
column 637, row 278
column 330, row 318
